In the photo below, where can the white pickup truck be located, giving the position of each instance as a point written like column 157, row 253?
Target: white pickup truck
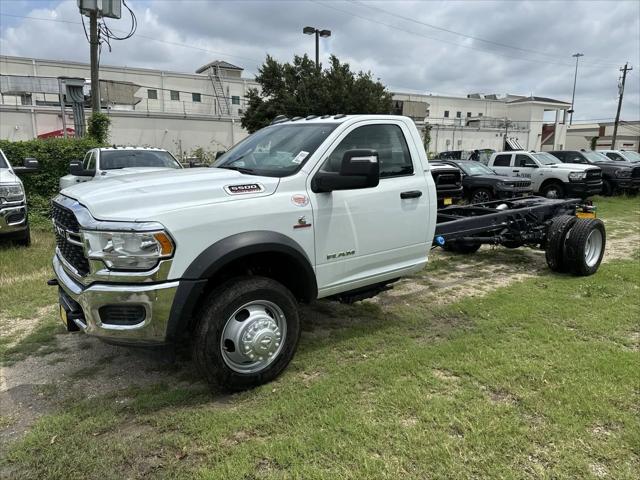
column 14, row 216
column 549, row 176
column 332, row 206
column 104, row 163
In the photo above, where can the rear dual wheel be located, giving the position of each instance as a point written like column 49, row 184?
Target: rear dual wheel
column 575, row 245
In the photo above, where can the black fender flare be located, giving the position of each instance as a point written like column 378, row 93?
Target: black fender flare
column 221, row 253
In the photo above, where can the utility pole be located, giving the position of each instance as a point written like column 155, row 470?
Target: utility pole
column 95, row 76
column 575, row 77
column 624, row 71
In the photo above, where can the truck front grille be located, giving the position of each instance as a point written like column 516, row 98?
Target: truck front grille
column 594, row 174
column 520, row 184
column 68, row 240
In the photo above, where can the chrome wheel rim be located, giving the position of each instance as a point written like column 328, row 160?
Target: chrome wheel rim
column 593, row 247
column 553, row 193
column 253, row 336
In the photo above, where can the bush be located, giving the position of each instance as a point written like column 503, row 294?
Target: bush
column 54, row 155
column 98, row 127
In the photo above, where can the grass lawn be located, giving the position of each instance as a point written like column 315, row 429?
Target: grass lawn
column 539, row 379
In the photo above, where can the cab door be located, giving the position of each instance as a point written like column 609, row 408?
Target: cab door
column 369, row 235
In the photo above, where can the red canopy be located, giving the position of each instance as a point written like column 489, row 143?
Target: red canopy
column 58, row 133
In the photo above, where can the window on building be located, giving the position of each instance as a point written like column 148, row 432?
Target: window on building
column 387, row 140
column 152, row 94
column 458, row 114
column 480, row 114
column 196, row 97
column 502, row 160
column 446, row 114
column 235, row 100
column 468, row 114
column 26, row 99
column 427, row 113
column 175, row 95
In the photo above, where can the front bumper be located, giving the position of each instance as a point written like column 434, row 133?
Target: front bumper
column 583, row 189
column 83, row 303
column 13, row 219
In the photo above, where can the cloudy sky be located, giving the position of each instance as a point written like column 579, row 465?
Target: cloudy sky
column 446, row 47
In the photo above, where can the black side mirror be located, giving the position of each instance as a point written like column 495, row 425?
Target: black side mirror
column 359, row 169
column 76, row 169
column 29, row 165
column 219, row 154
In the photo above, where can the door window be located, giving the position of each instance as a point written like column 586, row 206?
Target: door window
column 502, row 161
column 523, row 161
column 387, row 140
column 89, row 162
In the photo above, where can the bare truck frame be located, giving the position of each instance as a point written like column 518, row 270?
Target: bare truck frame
column 573, row 239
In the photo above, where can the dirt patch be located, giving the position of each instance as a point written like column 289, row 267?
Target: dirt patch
column 19, row 328
column 444, row 375
column 500, row 397
column 408, row 422
column 598, row 470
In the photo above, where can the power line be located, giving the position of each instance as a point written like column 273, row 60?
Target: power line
column 175, row 44
column 490, row 42
column 470, row 47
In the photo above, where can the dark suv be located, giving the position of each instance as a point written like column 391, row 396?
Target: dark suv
column 616, row 176
column 481, row 184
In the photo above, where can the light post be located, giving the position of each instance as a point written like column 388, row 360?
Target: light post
column 318, row 33
column 575, row 77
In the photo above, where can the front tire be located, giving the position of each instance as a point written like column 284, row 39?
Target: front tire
column 481, row 195
column 607, row 188
column 247, row 333
column 552, row 190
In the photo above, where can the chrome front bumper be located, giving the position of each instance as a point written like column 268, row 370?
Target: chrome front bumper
column 156, row 299
column 7, row 225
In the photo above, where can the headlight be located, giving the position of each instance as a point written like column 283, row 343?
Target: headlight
column 623, row 173
column 576, row 176
column 128, row 250
column 11, row 193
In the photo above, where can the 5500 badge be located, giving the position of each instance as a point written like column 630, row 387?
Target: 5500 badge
column 244, row 188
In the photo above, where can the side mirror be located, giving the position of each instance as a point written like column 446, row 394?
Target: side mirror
column 29, row 165
column 219, row 154
column 75, row 168
column 359, row 169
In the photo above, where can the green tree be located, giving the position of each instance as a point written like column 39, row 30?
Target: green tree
column 300, row 89
column 98, row 127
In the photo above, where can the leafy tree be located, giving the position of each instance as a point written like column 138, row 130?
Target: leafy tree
column 301, row 89
column 98, row 127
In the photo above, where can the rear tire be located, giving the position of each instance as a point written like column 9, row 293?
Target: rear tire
column 553, row 190
column 585, row 246
column 247, row 333
column 607, row 188
column 25, row 238
column 555, row 244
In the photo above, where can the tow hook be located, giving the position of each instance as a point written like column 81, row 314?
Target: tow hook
column 53, row 282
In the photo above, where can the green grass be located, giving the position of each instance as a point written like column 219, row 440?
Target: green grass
column 536, row 380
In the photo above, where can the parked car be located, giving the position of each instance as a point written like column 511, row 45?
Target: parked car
column 324, row 207
column 481, row 184
column 103, row 163
column 14, row 215
column 448, row 180
column 549, row 176
column 616, row 175
column 621, row 155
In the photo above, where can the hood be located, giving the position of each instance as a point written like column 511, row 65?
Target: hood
column 575, row 167
column 141, row 197
column 7, row 176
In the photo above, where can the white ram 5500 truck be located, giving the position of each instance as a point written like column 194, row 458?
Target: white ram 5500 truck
column 302, row 209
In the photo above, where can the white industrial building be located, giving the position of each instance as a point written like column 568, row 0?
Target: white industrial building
column 582, row 136
column 185, row 111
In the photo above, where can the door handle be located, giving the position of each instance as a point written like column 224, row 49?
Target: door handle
column 411, row 194
column 516, row 171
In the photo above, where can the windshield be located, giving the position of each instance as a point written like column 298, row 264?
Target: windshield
column 596, row 157
column 116, row 159
column 3, row 160
column 475, row 168
column 276, row 151
column 631, row 156
column 546, row 158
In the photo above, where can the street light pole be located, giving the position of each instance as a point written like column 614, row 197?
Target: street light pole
column 318, row 33
column 575, row 77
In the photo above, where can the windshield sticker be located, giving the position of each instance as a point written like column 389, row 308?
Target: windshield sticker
column 244, row 188
column 300, row 157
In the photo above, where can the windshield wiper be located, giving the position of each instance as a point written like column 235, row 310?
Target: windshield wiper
column 248, row 171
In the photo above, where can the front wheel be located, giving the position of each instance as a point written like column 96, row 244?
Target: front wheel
column 552, row 190
column 481, row 195
column 247, row 333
